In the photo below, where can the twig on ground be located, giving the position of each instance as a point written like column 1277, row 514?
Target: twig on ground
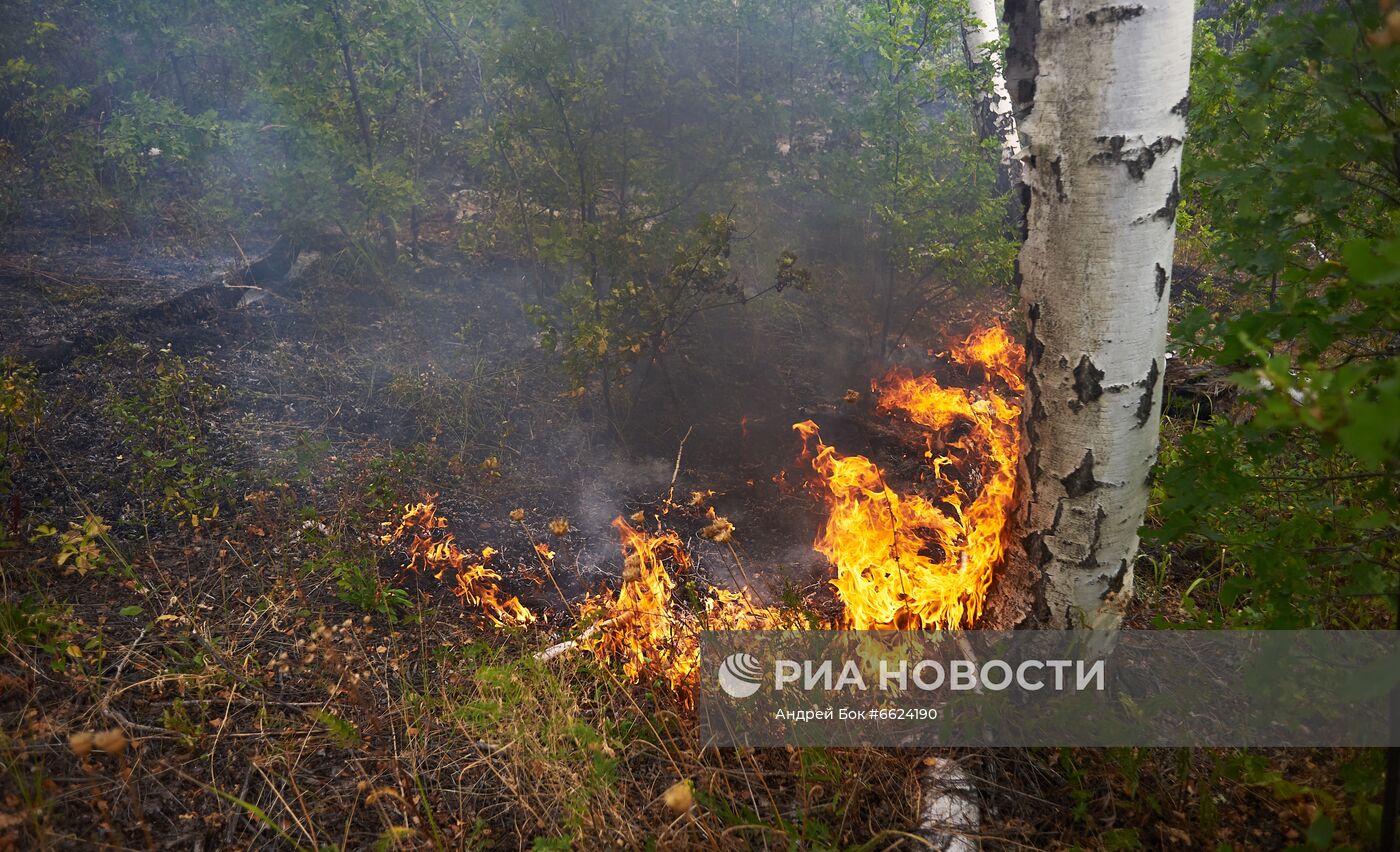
column 676, row 471
column 570, row 644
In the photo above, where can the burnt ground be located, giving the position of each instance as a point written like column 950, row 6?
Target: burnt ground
column 58, row 285
column 319, row 411
column 261, row 703
column 444, row 364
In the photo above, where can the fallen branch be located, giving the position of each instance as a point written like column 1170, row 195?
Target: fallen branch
column 570, row 644
column 255, row 294
column 555, row 650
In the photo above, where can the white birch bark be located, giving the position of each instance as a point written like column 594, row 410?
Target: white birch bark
column 1102, row 95
column 996, row 102
column 949, row 817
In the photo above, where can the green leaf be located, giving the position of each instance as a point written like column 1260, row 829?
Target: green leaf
column 343, row 732
column 1320, row 832
column 1366, row 265
column 1373, row 429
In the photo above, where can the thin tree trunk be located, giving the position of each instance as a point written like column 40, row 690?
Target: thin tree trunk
column 995, row 109
column 348, row 65
column 891, row 258
column 1100, row 92
column 386, row 225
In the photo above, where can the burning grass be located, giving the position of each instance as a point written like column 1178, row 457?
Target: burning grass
column 902, row 560
column 645, row 627
column 431, row 549
column 246, row 700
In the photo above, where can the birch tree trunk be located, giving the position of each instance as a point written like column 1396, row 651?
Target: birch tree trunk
column 996, row 103
column 1100, row 90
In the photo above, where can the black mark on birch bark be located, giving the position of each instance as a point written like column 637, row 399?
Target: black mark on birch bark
column 1167, row 212
column 1149, row 395
column 1182, row 106
column 1138, row 159
column 1091, row 554
column 1035, row 415
column 1035, row 349
column 1113, row 14
column 1088, row 384
column 1041, row 608
column 1059, row 180
column 1036, row 549
column 1115, row 583
column 1160, row 282
column 1080, row 481
column 1037, row 411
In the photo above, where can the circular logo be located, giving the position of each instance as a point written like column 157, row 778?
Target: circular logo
column 740, row 675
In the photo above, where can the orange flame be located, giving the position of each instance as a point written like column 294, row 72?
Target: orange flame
column 993, row 350
column 902, row 560
column 906, row 561
column 643, row 632
column 432, row 549
column 644, row 628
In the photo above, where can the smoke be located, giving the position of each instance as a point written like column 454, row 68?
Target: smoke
column 604, row 492
column 542, row 179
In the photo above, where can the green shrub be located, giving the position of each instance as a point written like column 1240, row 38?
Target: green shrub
column 165, row 421
column 20, row 413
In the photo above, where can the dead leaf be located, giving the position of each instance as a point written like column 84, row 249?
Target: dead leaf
column 679, row 797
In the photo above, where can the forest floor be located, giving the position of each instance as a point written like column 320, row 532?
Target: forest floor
column 230, row 628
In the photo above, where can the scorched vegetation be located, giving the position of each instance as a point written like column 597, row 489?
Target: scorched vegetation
column 391, row 391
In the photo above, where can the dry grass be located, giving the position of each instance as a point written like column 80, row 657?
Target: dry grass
column 262, row 712
column 268, row 691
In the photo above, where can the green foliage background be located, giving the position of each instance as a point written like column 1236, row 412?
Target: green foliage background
column 1286, row 504
column 653, row 161
column 621, row 147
